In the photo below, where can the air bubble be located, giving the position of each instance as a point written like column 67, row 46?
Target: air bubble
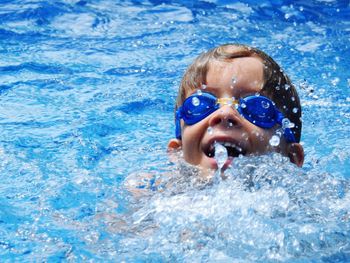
column 195, row 101
column 275, row 140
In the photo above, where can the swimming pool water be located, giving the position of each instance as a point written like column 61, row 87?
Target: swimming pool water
column 87, row 94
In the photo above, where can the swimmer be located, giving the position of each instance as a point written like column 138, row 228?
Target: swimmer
column 237, row 97
column 233, row 100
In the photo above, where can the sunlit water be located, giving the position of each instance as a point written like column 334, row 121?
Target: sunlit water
column 87, row 93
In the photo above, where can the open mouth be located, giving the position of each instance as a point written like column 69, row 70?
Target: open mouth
column 233, row 150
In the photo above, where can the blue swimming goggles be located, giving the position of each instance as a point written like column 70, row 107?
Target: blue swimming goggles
column 257, row 109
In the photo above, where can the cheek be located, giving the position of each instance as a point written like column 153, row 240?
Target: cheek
column 191, row 138
column 260, row 139
column 261, row 135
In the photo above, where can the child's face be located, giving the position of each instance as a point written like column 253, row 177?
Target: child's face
column 238, row 78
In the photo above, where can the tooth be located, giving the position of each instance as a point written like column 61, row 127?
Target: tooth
column 230, row 144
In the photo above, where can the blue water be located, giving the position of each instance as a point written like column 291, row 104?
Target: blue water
column 87, row 93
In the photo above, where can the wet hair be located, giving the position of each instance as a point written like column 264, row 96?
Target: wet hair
column 277, row 85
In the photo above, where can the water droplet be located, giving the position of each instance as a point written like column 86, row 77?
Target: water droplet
column 292, row 98
column 265, row 104
column 220, row 154
column 286, row 87
column 199, row 92
column 295, row 110
column 275, row 140
column 286, row 123
column 204, row 86
column 210, row 130
column 277, row 87
column 243, row 105
column 195, row 101
column 233, row 80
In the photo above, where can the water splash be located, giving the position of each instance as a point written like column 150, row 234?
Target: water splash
column 269, row 211
column 220, row 157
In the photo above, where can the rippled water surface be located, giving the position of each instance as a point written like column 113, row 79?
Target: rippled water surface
column 87, row 92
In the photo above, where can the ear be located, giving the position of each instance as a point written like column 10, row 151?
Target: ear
column 174, row 144
column 296, row 153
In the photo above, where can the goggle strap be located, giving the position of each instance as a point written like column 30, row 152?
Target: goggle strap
column 178, row 123
column 279, row 117
column 287, row 132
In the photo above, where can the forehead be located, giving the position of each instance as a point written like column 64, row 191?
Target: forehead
column 238, row 76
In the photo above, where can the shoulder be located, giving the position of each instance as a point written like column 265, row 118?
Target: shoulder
column 143, row 184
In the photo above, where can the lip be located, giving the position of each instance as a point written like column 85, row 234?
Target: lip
column 227, row 163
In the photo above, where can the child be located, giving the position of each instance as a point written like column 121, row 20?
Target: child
column 239, row 97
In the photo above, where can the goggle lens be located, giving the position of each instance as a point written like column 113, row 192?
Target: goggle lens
column 197, row 107
column 259, row 110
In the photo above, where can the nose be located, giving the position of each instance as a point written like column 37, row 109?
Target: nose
column 227, row 116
